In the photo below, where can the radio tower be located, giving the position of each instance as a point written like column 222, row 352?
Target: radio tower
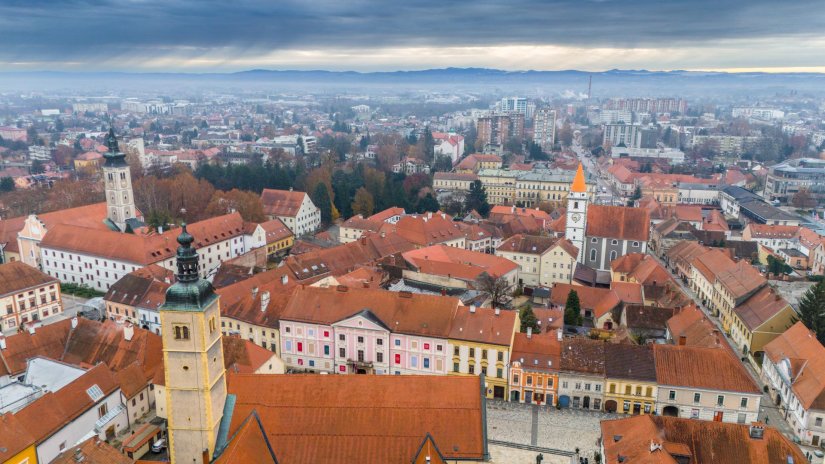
column 589, row 87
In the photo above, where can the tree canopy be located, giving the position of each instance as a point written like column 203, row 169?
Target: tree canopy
column 572, row 309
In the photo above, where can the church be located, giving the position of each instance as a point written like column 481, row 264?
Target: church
column 601, row 233
column 220, row 417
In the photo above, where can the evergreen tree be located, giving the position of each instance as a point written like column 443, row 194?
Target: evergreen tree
column 812, row 310
column 428, row 203
column 529, row 319
column 320, row 197
column 572, row 309
column 6, row 184
column 477, row 199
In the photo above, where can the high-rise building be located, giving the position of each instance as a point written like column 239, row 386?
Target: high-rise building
column 513, row 104
column 192, row 359
column 120, row 200
column 628, row 135
column 544, row 128
column 496, row 129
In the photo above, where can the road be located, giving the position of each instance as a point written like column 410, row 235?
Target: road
column 605, row 193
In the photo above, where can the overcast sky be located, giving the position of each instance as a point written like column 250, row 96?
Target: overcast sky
column 367, row 35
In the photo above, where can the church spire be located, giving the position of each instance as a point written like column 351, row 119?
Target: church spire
column 190, row 292
column 578, row 182
column 114, row 157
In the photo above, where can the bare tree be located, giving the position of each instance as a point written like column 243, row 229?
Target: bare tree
column 495, row 288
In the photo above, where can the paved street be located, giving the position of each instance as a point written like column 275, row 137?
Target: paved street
column 565, row 429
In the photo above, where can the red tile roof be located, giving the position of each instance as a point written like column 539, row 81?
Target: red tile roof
column 690, row 366
column 92, row 451
column 17, row 276
column 636, row 440
column 538, row 352
column 14, row 437
column 484, row 326
column 281, row 202
column 367, row 419
column 244, row 356
column 426, row 229
column 536, row 244
column 620, row 222
column 806, row 358
column 457, row 262
column 760, row 307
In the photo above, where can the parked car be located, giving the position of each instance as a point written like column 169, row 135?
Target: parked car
column 159, row 445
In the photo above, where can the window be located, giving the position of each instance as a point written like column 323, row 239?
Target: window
column 671, row 395
column 636, row 244
column 697, row 397
column 342, row 337
column 500, row 356
column 598, row 387
column 743, row 403
column 426, row 363
column 818, row 422
column 592, row 255
column 288, row 346
column 614, row 242
column 612, row 388
column 587, row 387
column 647, row 408
column 397, row 342
column 181, row 332
column 212, row 325
column 439, row 348
column 472, row 352
column 300, row 347
column 455, row 351
column 326, row 350
column 342, row 352
column 612, row 255
column 102, row 410
column 455, row 367
column 360, row 339
column 472, row 369
column 529, row 380
column 500, row 373
column 360, row 355
column 379, row 342
column 626, row 406
column 694, row 413
column 379, row 357
column 720, row 400
column 398, row 359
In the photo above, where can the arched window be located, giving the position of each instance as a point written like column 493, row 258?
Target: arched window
column 181, row 332
column 177, row 332
column 185, row 333
column 612, row 255
column 592, row 255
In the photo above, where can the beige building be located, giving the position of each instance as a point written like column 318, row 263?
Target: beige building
column 26, row 295
column 686, row 389
column 453, row 181
column 542, row 261
column 500, row 185
column 547, row 185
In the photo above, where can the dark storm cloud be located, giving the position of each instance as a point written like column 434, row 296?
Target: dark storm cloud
column 77, row 30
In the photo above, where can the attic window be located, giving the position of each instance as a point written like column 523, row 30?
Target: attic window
column 94, row 392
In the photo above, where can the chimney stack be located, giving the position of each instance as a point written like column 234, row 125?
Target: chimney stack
column 128, row 331
column 559, row 334
column 529, row 332
column 264, row 301
column 284, row 279
column 682, row 340
column 254, row 292
column 31, row 329
column 498, row 311
column 472, row 309
column 2, row 342
column 74, row 322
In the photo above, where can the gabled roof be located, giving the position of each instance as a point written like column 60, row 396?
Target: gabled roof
column 14, row 437
column 633, row 362
column 244, row 356
column 741, row 280
column 244, row 300
column 17, row 276
column 536, row 244
column 690, row 366
column 538, row 352
column 598, row 300
column 583, row 355
column 366, row 419
column 426, row 229
column 619, row 222
column 637, row 440
column 418, row 314
column 282, row 202
column 387, row 214
column 647, row 317
column 799, row 346
column 483, row 326
column 457, row 262
column 772, row 231
column 760, row 307
column 248, row 444
column 92, row 451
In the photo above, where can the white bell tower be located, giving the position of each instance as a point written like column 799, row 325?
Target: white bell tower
column 577, row 201
column 117, row 177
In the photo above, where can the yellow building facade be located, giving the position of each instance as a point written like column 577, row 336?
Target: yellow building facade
column 27, row 456
column 630, row 396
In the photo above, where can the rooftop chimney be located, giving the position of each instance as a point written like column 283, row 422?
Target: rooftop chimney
column 264, row 300
column 529, row 332
column 254, row 292
column 363, row 240
column 559, row 334
column 429, row 215
column 443, row 292
column 284, row 279
column 31, row 329
column 682, row 340
column 2, row 342
column 128, row 331
column 498, row 311
column 756, row 431
column 472, row 309
column 74, row 322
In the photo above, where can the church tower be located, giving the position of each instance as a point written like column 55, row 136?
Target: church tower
column 193, row 360
column 577, row 212
column 120, row 200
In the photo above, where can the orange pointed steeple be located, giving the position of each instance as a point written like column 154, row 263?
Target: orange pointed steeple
column 578, row 181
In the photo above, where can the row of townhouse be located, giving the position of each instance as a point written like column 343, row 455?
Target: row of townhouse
column 669, row 380
column 359, row 331
column 750, row 311
column 99, row 258
column 529, row 188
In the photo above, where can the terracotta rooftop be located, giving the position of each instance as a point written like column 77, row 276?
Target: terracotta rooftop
column 598, row 300
column 242, row 356
column 387, row 214
column 282, row 202
column 17, row 276
column 688, row 366
column 772, row 231
column 620, row 222
column 798, row 352
column 92, row 451
column 636, row 440
column 14, row 437
column 258, row 300
column 538, row 352
column 248, row 444
column 647, row 317
column 760, row 307
column 458, row 262
column 369, row 419
column 425, row 229
column 416, row 314
column 275, row 230
column 741, row 280
column 692, row 324
column 484, row 326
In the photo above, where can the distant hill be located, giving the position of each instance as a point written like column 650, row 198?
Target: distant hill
column 606, row 83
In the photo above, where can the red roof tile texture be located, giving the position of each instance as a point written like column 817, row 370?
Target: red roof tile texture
column 700, row 367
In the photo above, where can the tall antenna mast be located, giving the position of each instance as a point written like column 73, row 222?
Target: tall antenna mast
column 590, row 87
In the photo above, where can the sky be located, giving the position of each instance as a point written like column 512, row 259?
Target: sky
column 368, row 35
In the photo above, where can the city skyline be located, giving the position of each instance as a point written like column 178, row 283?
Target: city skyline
column 187, row 36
